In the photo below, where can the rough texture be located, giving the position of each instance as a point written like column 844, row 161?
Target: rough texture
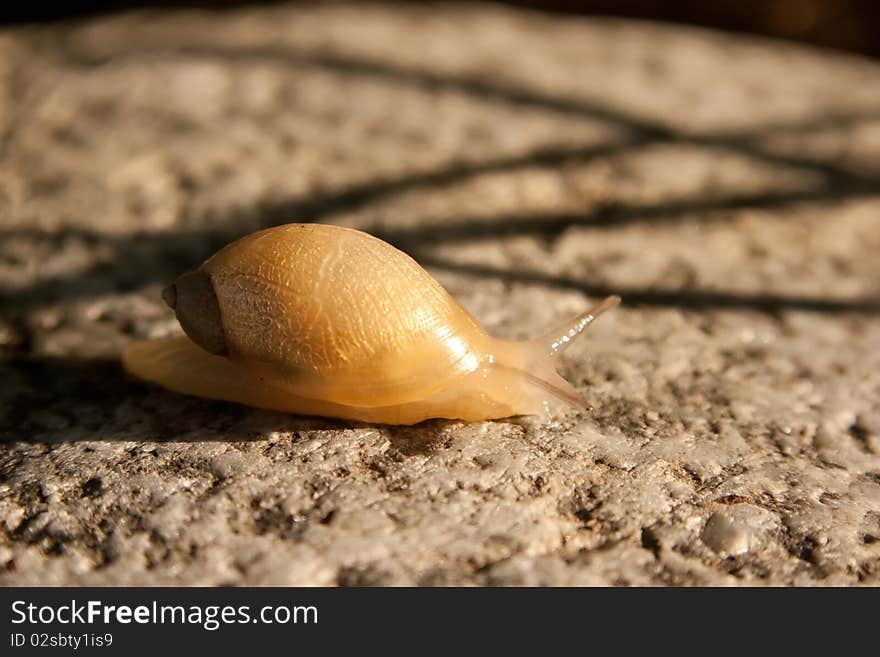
column 726, row 188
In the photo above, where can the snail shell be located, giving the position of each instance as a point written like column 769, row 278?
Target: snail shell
column 324, row 320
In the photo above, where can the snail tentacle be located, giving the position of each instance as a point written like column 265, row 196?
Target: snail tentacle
column 558, row 340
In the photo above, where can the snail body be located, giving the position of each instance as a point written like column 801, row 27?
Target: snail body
column 323, row 320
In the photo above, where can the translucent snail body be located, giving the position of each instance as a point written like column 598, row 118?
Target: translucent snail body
column 323, row 320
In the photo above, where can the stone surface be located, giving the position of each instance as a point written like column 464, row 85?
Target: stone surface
column 727, row 188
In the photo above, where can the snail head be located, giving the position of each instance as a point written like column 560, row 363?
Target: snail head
column 194, row 301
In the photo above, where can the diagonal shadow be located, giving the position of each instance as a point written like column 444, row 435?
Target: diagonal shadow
column 641, row 129
column 145, row 259
column 708, row 210
column 684, row 298
column 317, row 207
column 142, row 259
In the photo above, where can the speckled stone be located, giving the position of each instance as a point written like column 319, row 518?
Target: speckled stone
column 728, row 188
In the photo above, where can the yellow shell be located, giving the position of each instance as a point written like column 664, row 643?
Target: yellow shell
column 324, row 320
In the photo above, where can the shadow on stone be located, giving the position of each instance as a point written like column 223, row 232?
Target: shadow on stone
column 56, row 399
column 142, row 259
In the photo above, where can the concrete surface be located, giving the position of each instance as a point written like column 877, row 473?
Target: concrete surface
column 727, row 188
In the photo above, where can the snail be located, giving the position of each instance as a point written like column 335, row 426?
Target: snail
column 316, row 319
